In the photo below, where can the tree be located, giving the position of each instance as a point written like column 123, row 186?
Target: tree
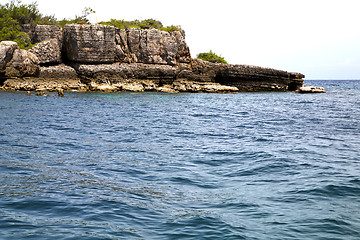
column 13, row 15
column 78, row 19
column 211, row 57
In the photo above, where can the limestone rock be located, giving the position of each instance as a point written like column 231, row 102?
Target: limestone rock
column 39, row 33
column 209, row 87
column 7, row 49
column 244, row 77
column 122, row 48
column 51, row 78
column 183, row 53
column 114, row 73
column 60, row 72
column 154, row 46
column 89, row 43
column 167, row 89
column 217, row 88
column 48, row 52
column 60, row 92
column 133, row 87
column 22, row 64
column 40, row 93
column 104, row 87
column 311, row 89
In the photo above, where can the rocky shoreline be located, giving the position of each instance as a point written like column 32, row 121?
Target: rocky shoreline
column 103, row 58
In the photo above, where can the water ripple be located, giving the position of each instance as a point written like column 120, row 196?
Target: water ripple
column 181, row 166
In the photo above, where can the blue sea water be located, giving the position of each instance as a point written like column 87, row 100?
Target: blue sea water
column 181, row 166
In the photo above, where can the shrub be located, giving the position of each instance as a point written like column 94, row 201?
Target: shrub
column 211, row 57
column 13, row 15
column 78, row 19
column 144, row 24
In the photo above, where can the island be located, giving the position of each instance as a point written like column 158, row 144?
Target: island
column 87, row 57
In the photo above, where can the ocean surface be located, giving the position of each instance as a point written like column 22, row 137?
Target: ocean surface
column 181, row 166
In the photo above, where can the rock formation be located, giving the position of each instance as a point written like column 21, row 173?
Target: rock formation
column 7, row 49
column 103, row 58
column 48, row 52
column 22, row 64
column 39, row 33
column 311, row 89
column 89, row 43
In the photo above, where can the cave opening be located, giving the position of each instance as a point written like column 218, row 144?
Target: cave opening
column 293, row 86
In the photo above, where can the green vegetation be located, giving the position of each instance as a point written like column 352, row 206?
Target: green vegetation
column 211, row 57
column 14, row 14
column 78, row 19
column 144, row 24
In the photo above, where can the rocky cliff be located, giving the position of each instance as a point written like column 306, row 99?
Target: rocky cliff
column 104, row 58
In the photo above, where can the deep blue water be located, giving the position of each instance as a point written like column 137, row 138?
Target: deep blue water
column 181, row 166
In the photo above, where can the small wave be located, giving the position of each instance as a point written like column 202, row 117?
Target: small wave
column 332, row 190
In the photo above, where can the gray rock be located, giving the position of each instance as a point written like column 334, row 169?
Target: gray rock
column 183, row 53
column 39, row 33
column 122, row 48
column 89, row 43
column 114, row 73
column 154, row 46
column 246, row 78
column 133, row 39
column 22, row 64
column 48, row 52
column 60, row 72
column 7, row 49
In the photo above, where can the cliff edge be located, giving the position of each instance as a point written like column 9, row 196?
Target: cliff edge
column 86, row 57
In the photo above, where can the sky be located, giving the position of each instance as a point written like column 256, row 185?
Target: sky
column 319, row 38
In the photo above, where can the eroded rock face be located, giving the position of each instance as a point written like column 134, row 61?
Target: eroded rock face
column 114, row 73
column 89, row 43
column 39, row 33
column 48, row 52
column 7, row 49
column 183, row 53
column 152, row 46
column 22, row 64
column 122, row 51
column 104, row 58
column 247, row 78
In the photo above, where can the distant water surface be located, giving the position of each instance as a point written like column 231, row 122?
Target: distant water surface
column 181, row 166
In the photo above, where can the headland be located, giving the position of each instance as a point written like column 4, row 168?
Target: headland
column 85, row 57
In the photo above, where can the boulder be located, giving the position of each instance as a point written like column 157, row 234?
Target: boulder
column 48, row 52
column 7, row 49
column 22, row 64
column 89, row 43
column 60, row 72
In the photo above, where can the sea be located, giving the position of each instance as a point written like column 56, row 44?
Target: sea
column 266, row 165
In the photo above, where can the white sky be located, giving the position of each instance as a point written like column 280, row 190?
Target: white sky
column 319, row 38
